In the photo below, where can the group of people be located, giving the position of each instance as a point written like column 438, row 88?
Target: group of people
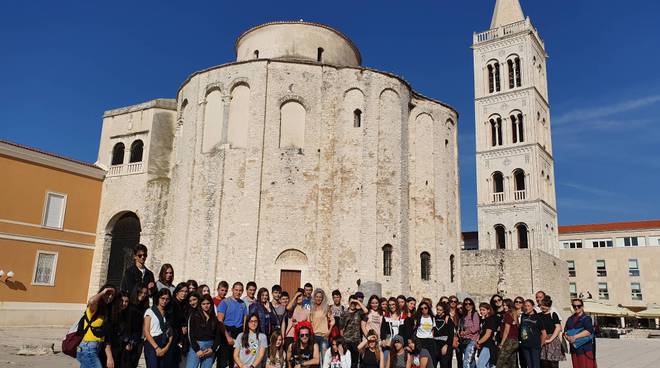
column 183, row 325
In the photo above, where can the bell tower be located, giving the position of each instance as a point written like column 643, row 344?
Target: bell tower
column 515, row 171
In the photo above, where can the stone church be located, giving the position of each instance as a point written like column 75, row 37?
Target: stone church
column 295, row 163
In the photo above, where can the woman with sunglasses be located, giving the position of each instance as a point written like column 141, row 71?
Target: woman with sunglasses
column 371, row 356
column 337, row 356
column 304, row 352
column 531, row 335
column 443, row 334
column 158, row 337
column 205, row 333
column 518, row 304
column 508, row 352
column 580, row 326
column 456, row 317
column 250, row 345
column 469, row 333
column 422, row 327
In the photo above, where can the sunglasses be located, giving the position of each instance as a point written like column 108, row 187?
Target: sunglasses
column 518, row 302
column 468, row 303
column 253, row 321
column 576, row 306
column 304, row 335
column 141, row 255
column 453, row 301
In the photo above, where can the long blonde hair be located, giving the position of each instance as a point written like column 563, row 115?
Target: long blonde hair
column 324, row 303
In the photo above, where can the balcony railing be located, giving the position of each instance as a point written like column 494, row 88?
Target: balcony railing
column 134, row 168
column 128, row 169
column 509, row 29
column 115, row 170
column 520, row 195
column 498, row 197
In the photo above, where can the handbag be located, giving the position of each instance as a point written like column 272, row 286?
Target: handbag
column 582, row 340
column 75, row 335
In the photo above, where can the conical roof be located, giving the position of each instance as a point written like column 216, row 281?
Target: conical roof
column 506, row 12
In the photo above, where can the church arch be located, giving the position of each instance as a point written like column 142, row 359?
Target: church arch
column 387, row 260
column 517, row 126
column 124, row 234
column 118, row 154
column 239, row 115
column 523, row 235
column 213, row 119
column 500, row 236
column 493, row 74
column 291, row 257
column 496, row 138
column 292, row 125
column 425, row 260
column 137, row 149
column 514, row 71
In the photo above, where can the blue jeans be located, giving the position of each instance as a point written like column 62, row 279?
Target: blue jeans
column 88, row 354
column 532, row 357
column 323, row 346
column 468, row 354
column 484, row 358
column 193, row 361
column 150, row 357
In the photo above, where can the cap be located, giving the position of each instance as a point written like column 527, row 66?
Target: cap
column 397, row 338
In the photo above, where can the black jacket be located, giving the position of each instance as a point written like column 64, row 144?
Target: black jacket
column 133, row 276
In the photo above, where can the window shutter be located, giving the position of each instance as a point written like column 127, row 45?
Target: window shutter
column 54, row 211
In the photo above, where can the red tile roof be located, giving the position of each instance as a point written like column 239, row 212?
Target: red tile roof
column 49, row 154
column 612, row 226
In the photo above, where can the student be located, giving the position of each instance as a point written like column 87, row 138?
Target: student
column 519, row 304
column 232, row 312
column 138, row 304
column 276, row 355
column 165, row 277
column 398, row 357
column 456, row 317
column 223, row 286
column 322, row 320
column 423, row 328
column 250, row 291
column 337, row 308
column 205, row 333
column 350, row 327
column 204, row 290
column 298, row 313
column 337, row 356
column 262, row 308
column 158, row 333
column 383, row 307
column 390, row 326
column 371, row 356
column 418, row 357
column 531, row 335
column 118, row 331
column 443, row 334
column 278, row 308
column 138, row 273
column 411, row 307
column 497, row 305
column 486, row 343
column 551, row 353
column 96, row 323
column 177, row 315
column 192, row 285
column 307, row 296
column 403, row 309
column 192, row 303
column 470, row 332
column 580, row 326
column 304, row 352
column 250, row 345
column 508, row 346
column 374, row 318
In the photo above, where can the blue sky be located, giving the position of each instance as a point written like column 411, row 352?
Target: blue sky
column 63, row 63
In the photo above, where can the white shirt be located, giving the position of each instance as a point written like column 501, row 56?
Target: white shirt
column 425, row 328
column 345, row 360
column 154, row 327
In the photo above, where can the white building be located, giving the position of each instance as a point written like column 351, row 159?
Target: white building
column 292, row 164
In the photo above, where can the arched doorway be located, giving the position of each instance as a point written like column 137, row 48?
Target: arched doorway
column 125, row 235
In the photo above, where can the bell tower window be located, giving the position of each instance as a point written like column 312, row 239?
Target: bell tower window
column 493, row 69
column 496, row 131
column 517, row 130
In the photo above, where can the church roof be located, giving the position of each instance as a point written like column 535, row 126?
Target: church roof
column 506, row 12
column 613, row 226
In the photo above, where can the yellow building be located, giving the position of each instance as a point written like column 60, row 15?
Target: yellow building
column 48, row 212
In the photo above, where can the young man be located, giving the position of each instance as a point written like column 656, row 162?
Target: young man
column 307, row 296
column 233, row 311
column 223, row 286
column 250, row 290
column 360, row 296
column 278, row 307
column 336, row 308
column 350, row 324
column 138, row 273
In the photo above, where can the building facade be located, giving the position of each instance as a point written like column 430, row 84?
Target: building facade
column 293, row 163
column 48, row 216
column 615, row 263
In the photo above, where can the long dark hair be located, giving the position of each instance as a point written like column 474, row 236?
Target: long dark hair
column 245, row 339
column 339, row 340
column 379, row 310
column 259, row 292
column 103, row 309
column 474, row 308
column 141, row 305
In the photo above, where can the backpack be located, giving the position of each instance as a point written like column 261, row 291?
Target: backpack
column 76, row 333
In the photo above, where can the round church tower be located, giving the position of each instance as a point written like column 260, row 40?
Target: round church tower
column 296, row 164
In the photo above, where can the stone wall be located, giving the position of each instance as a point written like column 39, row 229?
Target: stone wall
column 513, row 273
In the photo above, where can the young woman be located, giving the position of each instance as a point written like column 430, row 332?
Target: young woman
column 580, row 326
column 204, row 335
column 398, row 357
column 178, row 315
column 508, row 346
column 371, row 356
column 470, row 332
column 551, row 353
column 165, row 277
column 265, row 311
column 486, row 342
column 418, row 357
column 443, row 334
column 424, row 325
column 138, row 304
column 304, row 352
column 456, row 317
column 383, row 307
column 497, row 305
column 192, row 304
column 322, row 321
column 250, row 345
column 530, row 336
column 374, row 317
column 158, row 333
column 337, row 356
column 96, row 324
column 390, row 326
column 297, row 313
column 204, row 290
column 518, row 304
column 119, row 326
column 403, row 306
column 276, row 357
column 191, row 285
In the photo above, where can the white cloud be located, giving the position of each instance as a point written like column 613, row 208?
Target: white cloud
column 598, row 112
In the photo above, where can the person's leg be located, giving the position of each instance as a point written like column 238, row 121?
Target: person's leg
column 459, row 357
column 192, row 360
column 468, row 355
column 352, row 347
column 484, row 358
column 150, row 356
column 521, row 358
column 534, row 359
column 206, row 362
column 88, row 354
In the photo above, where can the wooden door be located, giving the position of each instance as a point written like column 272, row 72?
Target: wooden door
column 290, row 281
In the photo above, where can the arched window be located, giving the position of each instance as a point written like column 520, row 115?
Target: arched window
column 498, row 187
column 118, row 154
column 425, row 258
column 292, row 125
column 514, row 72
column 493, row 76
column 517, row 129
column 357, row 118
column 451, row 268
column 496, row 131
column 214, row 111
column 239, row 117
column 523, row 242
column 387, row 260
column 256, row 54
column 500, row 237
column 319, row 54
column 136, row 151
column 519, row 179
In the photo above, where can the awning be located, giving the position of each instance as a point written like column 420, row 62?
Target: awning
column 600, row 309
column 652, row 311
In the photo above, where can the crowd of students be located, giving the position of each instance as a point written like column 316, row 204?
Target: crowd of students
column 185, row 326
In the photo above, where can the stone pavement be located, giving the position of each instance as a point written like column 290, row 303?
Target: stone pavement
column 633, row 353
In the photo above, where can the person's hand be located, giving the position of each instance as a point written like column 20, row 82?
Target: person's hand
column 160, row 352
column 230, row 341
column 110, row 363
column 201, row 353
column 151, row 285
column 129, row 347
column 340, row 350
column 297, row 366
column 184, row 330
